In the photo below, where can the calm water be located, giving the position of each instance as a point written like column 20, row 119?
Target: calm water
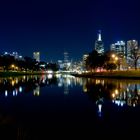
column 36, row 106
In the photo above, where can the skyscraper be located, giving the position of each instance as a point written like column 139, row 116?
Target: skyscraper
column 119, row 48
column 113, row 48
column 131, row 45
column 85, row 56
column 36, row 56
column 66, row 60
column 99, row 46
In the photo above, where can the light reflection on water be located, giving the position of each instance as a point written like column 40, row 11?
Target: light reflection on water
column 120, row 92
column 64, row 100
column 20, row 85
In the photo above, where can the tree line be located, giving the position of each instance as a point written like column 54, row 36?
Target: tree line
column 107, row 61
column 8, row 62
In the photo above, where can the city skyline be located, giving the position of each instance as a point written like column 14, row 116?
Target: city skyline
column 54, row 27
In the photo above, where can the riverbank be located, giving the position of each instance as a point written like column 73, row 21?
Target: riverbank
column 131, row 74
column 15, row 73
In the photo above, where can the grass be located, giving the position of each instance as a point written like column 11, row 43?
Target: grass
column 135, row 74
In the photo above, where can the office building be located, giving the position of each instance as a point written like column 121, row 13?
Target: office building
column 119, row 49
column 85, row 56
column 131, row 45
column 36, row 56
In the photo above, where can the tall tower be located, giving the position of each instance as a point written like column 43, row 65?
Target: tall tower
column 99, row 36
column 99, row 46
column 131, row 45
column 65, row 57
column 36, row 56
column 85, row 56
column 65, row 60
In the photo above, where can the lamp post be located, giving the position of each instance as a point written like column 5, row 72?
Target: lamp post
column 115, row 59
column 13, row 66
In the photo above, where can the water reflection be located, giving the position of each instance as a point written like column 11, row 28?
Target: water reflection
column 67, row 82
column 12, row 86
column 99, row 104
column 119, row 92
column 36, row 91
column 63, row 100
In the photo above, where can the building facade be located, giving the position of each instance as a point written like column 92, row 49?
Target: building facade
column 36, row 56
column 131, row 45
column 119, row 48
column 85, row 56
column 99, row 45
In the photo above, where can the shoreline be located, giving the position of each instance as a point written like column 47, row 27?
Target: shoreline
column 114, row 74
column 134, row 74
column 14, row 73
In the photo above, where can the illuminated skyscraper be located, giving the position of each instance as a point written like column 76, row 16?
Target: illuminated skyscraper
column 66, row 57
column 131, row 44
column 85, row 56
column 66, row 61
column 119, row 49
column 99, row 46
column 36, row 56
column 113, row 47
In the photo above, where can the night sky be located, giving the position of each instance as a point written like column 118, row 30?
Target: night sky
column 55, row 26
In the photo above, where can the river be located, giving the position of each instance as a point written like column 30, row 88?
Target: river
column 32, row 107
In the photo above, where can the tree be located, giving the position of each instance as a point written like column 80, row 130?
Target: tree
column 7, row 61
column 124, row 63
column 92, row 60
column 110, row 66
column 110, row 62
column 29, row 63
column 52, row 66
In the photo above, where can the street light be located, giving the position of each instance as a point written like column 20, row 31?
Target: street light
column 12, row 65
column 113, row 56
column 116, row 58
